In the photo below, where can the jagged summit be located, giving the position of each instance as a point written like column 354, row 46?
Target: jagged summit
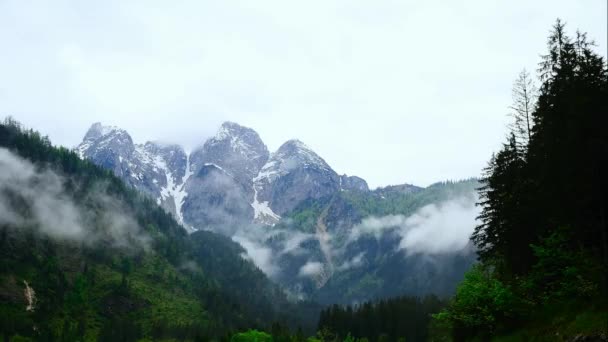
column 294, row 173
column 295, row 151
column 97, row 130
column 157, row 169
column 229, row 128
column 241, row 139
column 100, row 137
column 235, row 148
column 232, row 175
column 353, row 183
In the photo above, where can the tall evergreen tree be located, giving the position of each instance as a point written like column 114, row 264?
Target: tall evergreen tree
column 524, row 98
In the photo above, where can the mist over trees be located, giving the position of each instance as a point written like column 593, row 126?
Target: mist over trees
column 100, row 261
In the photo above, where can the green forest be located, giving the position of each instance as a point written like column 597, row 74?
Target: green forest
column 155, row 283
column 542, row 244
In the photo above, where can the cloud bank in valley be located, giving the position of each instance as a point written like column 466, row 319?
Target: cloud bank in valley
column 310, row 269
column 439, row 228
column 258, row 253
column 37, row 198
column 435, row 229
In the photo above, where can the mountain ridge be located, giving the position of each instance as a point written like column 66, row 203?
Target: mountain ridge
column 169, row 174
column 319, row 234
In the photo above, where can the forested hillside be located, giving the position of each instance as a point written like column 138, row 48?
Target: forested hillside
column 86, row 258
column 365, row 232
column 543, row 237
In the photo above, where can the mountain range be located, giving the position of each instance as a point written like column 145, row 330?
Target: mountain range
column 231, row 179
column 319, row 234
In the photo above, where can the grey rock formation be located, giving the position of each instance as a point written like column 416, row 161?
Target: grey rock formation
column 230, row 180
column 156, row 169
column 293, row 174
column 353, row 183
column 236, row 149
column 216, row 201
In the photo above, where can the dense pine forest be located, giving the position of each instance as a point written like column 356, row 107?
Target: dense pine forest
column 396, row 319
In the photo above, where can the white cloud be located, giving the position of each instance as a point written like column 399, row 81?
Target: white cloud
column 356, row 261
column 433, row 229
column 440, row 228
column 376, row 226
column 310, row 269
column 35, row 198
column 294, row 240
column 259, row 254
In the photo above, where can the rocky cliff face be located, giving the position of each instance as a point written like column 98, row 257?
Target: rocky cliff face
column 156, row 169
column 235, row 149
column 293, row 174
column 230, row 180
column 353, row 183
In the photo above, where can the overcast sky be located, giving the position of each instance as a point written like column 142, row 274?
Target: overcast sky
column 392, row 91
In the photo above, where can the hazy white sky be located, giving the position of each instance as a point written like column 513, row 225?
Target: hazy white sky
column 392, row 91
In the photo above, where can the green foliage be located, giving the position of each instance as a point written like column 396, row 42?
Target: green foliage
column 390, row 201
column 560, row 272
column 480, row 304
column 251, row 336
column 392, row 319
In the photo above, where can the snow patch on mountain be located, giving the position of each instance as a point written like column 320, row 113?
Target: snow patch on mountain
column 261, row 210
column 180, row 195
column 174, row 189
column 236, row 135
column 82, row 148
column 218, row 167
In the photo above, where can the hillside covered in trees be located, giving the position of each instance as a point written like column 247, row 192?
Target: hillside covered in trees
column 86, row 258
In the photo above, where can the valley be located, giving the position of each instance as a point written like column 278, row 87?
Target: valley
column 295, row 207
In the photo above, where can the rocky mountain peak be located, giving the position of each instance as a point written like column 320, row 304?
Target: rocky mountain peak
column 111, row 139
column 294, row 153
column 353, row 183
column 237, row 149
column 240, row 139
column 231, row 175
column 97, row 130
column 293, row 174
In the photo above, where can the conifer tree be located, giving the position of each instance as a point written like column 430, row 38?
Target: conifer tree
column 524, row 98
